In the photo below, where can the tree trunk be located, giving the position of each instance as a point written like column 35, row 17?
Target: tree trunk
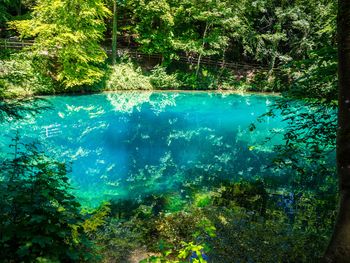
column 200, row 54
column 339, row 247
column 114, row 33
column 19, row 8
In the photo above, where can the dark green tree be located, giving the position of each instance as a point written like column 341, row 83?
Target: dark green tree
column 155, row 26
column 39, row 218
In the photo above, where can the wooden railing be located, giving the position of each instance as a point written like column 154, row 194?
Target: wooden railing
column 15, row 43
column 134, row 53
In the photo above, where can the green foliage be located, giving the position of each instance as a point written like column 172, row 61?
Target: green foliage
column 4, row 15
column 268, row 31
column 67, row 34
column 97, row 219
column 297, row 38
column 117, row 239
column 244, row 221
column 204, row 80
column 160, row 79
column 250, row 195
column 182, row 226
column 173, row 202
column 279, row 31
column 19, row 77
column 154, row 27
column 190, row 248
column 246, row 237
column 202, row 199
column 185, row 252
column 39, row 218
column 235, row 213
column 308, row 151
column 19, row 81
column 231, row 225
column 125, row 76
column 315, row 77
column 12, row 9
column 203, row 27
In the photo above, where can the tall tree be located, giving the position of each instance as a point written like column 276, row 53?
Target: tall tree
column 339, row 248
column 204, row 27
column 40, row 219
column 114, row 33
column 67, row 33
column 155, row 26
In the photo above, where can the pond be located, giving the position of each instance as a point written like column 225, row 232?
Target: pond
column 132, row 144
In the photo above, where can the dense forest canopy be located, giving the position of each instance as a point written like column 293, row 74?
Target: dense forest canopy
column 289, row 38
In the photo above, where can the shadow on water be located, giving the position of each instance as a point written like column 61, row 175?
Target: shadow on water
column 130, row 145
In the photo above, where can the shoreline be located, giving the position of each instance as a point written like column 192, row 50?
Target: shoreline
column 237, row 92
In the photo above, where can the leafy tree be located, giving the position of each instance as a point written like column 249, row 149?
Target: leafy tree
column 39, row 218
column 276, row 32
column 314, row 77
column 203, row 27
column 67, row 33
column 13, row 9
column 199, row 28
column 155, row 26
column 4, row 15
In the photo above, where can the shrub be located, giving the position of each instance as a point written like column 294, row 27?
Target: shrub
column 206, row 80
column 125, row 76
column 238, row 220
column 250, row 195
column 160, row 79
column 20, row 77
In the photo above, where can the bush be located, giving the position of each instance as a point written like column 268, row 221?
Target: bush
column 160, row 79
column 125, row 76
column 206, row 80
column 248, row 195
column 20, row 77
column 119, row 238
column 238, row 220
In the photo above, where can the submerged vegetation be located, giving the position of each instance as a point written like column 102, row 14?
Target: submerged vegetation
column 42, row 221
column 288, row 47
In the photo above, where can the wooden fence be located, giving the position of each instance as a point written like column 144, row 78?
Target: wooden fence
column 15, row 43
column 134, row 53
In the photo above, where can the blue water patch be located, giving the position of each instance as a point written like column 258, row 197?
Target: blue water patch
column 130, row 144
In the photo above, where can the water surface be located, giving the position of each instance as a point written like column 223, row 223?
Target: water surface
column 131, row 144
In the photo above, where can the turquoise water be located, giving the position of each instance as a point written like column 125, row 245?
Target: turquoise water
column 131, row 144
